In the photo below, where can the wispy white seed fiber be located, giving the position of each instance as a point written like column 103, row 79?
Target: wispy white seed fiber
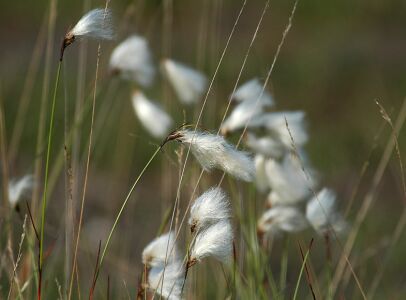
column 132, row 60
column 96, row 24
column 189, row 84
column 275, row 123
column 288, row 182
column 212, row 151
column 211, row 207
column 215, row 241
column 241, row 115
column 265, row 145
column 16, row 189
column 169, row 284
column 155, row 120
column 251, row 91
column 158, row 250
column 322, row 214
column 282, row 219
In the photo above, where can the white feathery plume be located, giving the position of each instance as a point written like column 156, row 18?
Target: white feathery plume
column 167, row 281
column 189, row 84
column 251, row 91
column 132, row 61
column 275, row 123
column 155, row 253
column 282, row 219
column 322, row 214
column 212, row 206
column 241, row 115
column 152, row 116
column 215, row 241
column 289, row 185
column 212, row 151
column 265, row 145
column 97, row 24
column 261, row 179
column 16, row 189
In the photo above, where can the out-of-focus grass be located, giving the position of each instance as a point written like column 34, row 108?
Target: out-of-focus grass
column 338, row 58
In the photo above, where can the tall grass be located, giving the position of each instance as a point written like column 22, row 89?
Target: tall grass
column 119, row 192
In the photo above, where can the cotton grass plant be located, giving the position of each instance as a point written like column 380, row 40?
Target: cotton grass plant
column 229, row 239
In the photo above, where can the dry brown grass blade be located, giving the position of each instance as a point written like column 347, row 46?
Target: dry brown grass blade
column 307, row 271
column 368, row 200
column 87, row 165
column 402, row 220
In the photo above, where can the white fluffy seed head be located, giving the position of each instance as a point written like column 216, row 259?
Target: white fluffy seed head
column 189, row 84
column 151, row 115
column 289, row 184
column 212, row 206
column 265, row 145
column 212, row 151
column 282, row 219
column 322, row 214
column 132, row 61
column 158, row 250
column 17, row 188
column 242, row 114
column 215, row 241
column 167, row 282
column 96, row 24
column 251, row 91
column 275, row 123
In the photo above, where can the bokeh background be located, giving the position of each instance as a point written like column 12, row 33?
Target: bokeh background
column 339, row 57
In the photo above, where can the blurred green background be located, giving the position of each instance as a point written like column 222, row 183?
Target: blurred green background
column 339, row 57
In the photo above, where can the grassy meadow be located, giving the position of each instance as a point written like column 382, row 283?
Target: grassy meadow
column 105, row 149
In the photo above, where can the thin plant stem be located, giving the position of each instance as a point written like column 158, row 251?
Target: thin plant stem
column 87, row 166
column 301, row 273
column 123, row 206
column 368, row 200
column 44, row 197
column 284, row 265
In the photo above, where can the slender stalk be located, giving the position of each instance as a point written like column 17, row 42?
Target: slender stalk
column 367, row 203
column 301, row 273
column 123, row 206
column 284, row 266
column 44, row 197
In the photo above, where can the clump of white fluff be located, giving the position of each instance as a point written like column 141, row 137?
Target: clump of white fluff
column 322, row 214
column 97, row 24
column 211, row 207
column 212, row 151
column 215, row 241
column 265, row 145
column 251, row 91
column 282, row 219
column 16, row 189
column 241, row 115
column 167, row 281
column 189, row 84
column 275, row 123
column 157, row 251
column 251, row 105
column 132, row 61
column 152, row 116
column 288, row 182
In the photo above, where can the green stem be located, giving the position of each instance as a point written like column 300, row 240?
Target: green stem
column 284, row 267
column 301, row 273
column 44, row 197
column 123, row 206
